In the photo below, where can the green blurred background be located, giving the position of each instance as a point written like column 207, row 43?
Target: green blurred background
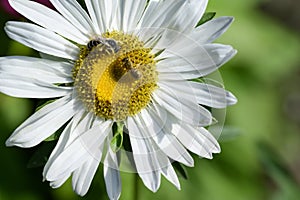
column 261, row 144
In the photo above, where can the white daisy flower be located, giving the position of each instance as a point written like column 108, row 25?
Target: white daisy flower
column 125, row 66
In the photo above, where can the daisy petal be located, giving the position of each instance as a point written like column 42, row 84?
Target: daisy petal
column 102, row 14
column 144, row 155
column 195, row 141
column 183, row 108
column 112, row 182
column 64, row 137
column 193, row 61
column 40, row 125
column 163, row 162
column 211, row 140
column 49, row 19
column 160, row 14
column 112, row 175
column 80, row 121
column 24, row 87
column 168, row 171
column 156, row 28
column 83, row 176
column 59, row 182
column 50, row 57
column 35, row 68
column 73, row 12
column 67, row 137
column 130, row 13
column 176, row 17
column 205, row 94
column 189, row 15
column 87, row 147
column 213, row 96
column 41, row 40
column 160, row 133
column 211, row 30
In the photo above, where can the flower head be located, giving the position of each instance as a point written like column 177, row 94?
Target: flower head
column 123, row 72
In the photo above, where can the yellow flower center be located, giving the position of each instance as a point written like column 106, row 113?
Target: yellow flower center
column 115, row 75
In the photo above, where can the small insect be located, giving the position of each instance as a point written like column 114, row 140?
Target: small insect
column 113, row 44
column 109, row 45
column 93, row 43
column 127, row 64
column 134, row 73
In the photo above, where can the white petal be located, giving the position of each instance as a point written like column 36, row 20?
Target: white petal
column 85, row 147
column 163, row 163
column 194, row 140
column 182, row 107
column 68, row 136
column 205, row 94
column 83, row 176
column 43, row 123
column 63, row 139
column 161, row 134
column 168, row 171
column 35, row 68
column 211, row 140
column 211, row 30
column 196, row 10
column 165, row 21
column 76, row 15
column 24, row 87
column 188, row 15
column 130, row 13
column 192, row 60
column 112, row 175
column 102, row 14
column 41, row 40
column 144, row 155
column 49, row 19
column 157, row 26
column 157, row 38
column 213, row 96
column 161, row 13
column 59, row 182
column 50, row 57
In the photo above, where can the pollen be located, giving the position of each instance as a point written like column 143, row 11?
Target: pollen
column 115, row 75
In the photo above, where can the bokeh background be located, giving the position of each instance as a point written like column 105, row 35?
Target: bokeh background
column 261, row 140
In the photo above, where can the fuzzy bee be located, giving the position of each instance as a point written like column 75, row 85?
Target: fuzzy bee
column 109, row 45
column 134, row 73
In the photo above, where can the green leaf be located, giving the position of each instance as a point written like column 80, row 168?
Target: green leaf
column 180, row 169
column 206, row 17
column 117, row 141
